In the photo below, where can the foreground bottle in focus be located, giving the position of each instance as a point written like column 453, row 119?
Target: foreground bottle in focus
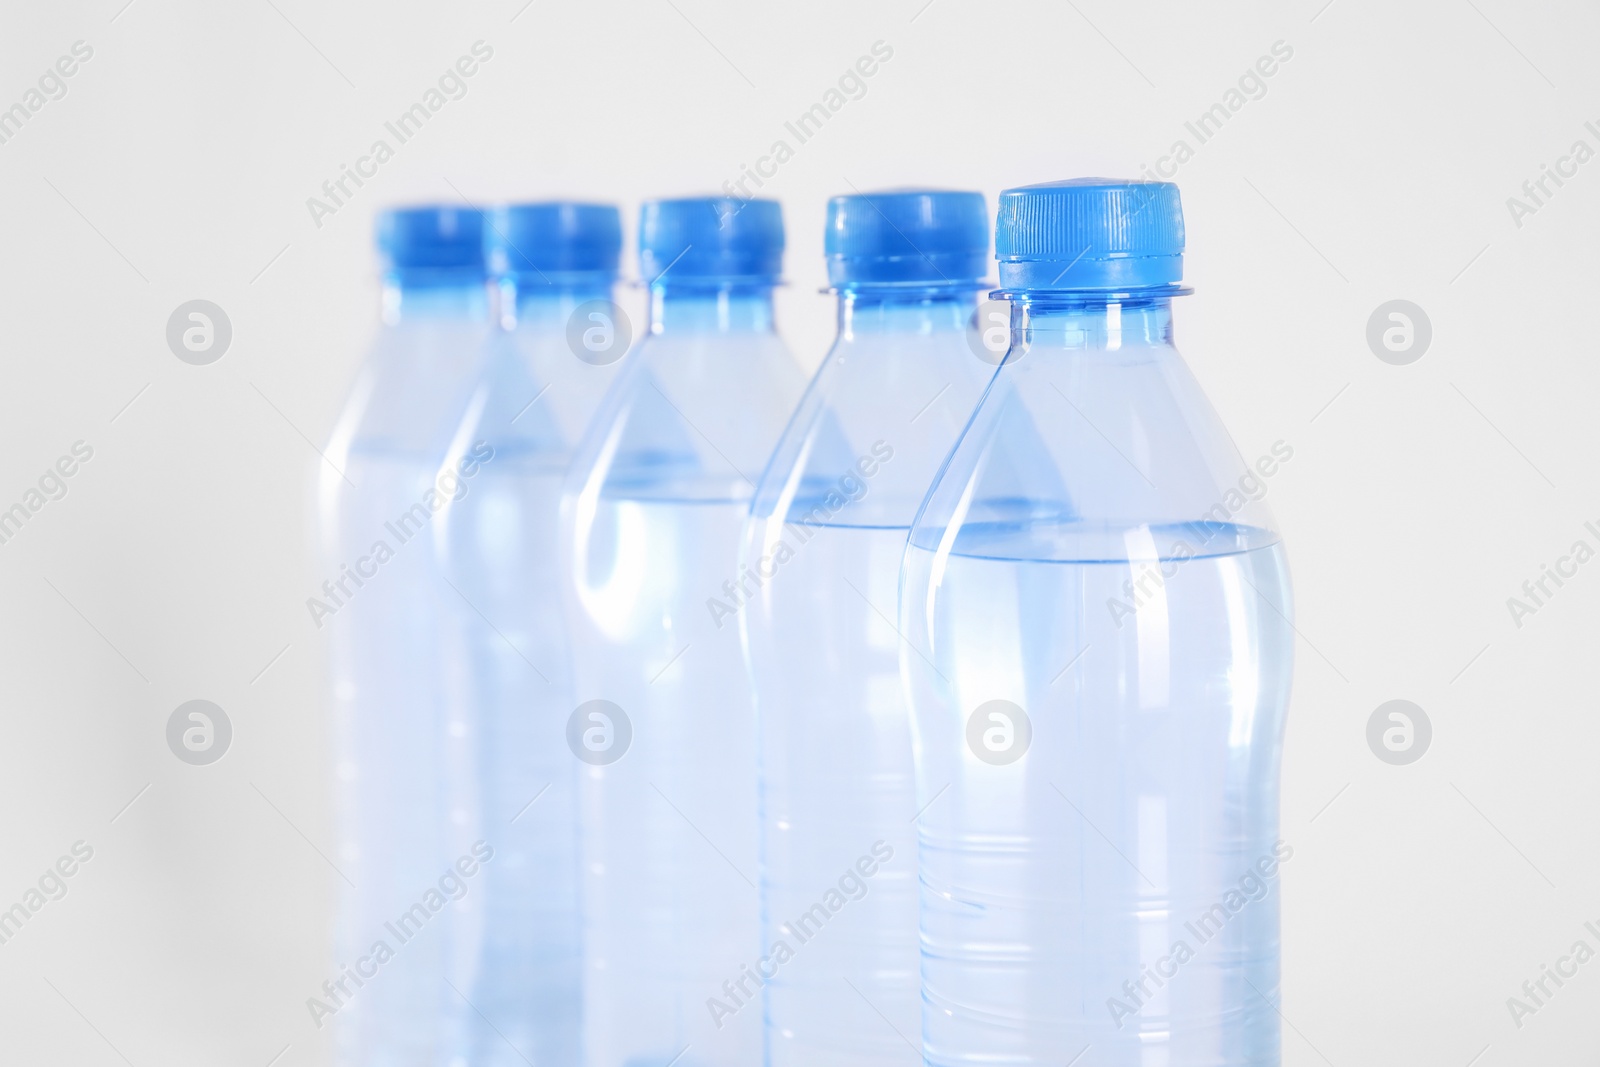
column 555, row 265
column 400, row 853
column 816, row 595
column 652, row 513
column 1098, row 653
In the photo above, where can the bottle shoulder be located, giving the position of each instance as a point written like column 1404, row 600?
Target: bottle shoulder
column 532, row 397
column 1080, row 456
column 411, row 389
column 878, row 417
column 689, row 417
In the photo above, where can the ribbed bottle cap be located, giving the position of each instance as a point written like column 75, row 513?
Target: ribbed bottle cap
column 435, row 238
column 711, row 239
column 554, row 238
column 1090, row 233
column 929, row 236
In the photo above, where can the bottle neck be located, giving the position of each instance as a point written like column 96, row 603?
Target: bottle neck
column 871, row 310
column 407, row 299
column 711, row 308
column 1046, row 321
column 532, row 302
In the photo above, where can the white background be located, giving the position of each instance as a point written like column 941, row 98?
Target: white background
column 1376, row 166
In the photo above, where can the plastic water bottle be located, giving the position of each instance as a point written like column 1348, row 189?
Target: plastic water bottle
column 816, row 598
column 545, row 373
column 1098, row 652
column 383, row 605
column 652, row 513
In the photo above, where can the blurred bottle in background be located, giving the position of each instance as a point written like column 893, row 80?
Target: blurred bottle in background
column 821, row 566
column 399, row 755
column 555, row 265
column 652, row 513
column 1098, row 653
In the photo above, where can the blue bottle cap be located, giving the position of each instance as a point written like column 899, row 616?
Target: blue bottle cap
column 1090, row 233
column 711, row 239
column 435, row 239
column 926, row 236
column 557, row 238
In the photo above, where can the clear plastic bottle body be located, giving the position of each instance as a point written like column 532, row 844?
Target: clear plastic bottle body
column 652, row 513
column 1099, row 854
column 499, row 540
column 819, row 572
column 398, row 765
